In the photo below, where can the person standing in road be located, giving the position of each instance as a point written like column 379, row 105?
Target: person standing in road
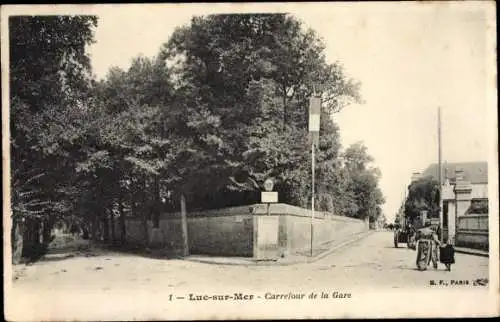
column 427, row 247
column 447, row 255
column 411, row 236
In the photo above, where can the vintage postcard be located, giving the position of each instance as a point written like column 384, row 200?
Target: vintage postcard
column 250, row 161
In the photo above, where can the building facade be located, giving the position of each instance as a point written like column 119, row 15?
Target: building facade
column 464, row 199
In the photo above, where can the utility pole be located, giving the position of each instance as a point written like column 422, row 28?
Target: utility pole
column 440, row 177
column 314, row 126
column 312, row 198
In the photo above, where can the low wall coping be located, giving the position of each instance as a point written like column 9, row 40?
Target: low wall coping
column 473, row 216
column 472, row 232
column 256, row 209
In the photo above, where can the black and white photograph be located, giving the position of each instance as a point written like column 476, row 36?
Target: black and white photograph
column 250, row 161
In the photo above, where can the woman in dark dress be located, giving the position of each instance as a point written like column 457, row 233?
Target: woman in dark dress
column 447, row 255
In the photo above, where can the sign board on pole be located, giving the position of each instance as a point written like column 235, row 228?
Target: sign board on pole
column 314, row 119
column 269, row 196
column 314, row 122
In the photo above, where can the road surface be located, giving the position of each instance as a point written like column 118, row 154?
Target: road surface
column 372, row 261
column 70, row 288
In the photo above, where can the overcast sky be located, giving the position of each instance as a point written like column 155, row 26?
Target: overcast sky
column 410, row 59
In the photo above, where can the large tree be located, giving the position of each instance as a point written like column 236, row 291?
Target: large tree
column 243, row 83
column 423, row 195
column 363, row 181
column 49, row 86
column 131, row 146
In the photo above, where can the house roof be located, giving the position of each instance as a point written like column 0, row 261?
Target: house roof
column 475, row 172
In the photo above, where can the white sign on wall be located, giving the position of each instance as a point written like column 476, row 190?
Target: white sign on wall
column 269, row 196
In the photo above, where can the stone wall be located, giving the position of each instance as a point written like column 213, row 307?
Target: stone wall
column 223, row 232
column 472, row 231
column 325, row 231
column 250, row 231
column 290, row 230
column 225, row 235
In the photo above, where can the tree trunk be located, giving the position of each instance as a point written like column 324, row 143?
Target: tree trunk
column 135, row 211
column 37, row 239
column 37, row 228
column 93, row 227
column 46, row 231
column 17, row 240
column 185, row 243
column 123, row 226
column 96, row 214
column 105, row 225
column 284, row 107
column 112, row 226
column 157, row 203
column 145, row 214
column 31, row 239
column 28, row 239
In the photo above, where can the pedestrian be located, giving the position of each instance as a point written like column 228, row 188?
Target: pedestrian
column 447, row 255
column 411, row 236
column 427, row 244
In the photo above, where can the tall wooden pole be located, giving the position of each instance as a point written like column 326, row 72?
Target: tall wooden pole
column 440, row 177
column 312, row 198
column 314, row 128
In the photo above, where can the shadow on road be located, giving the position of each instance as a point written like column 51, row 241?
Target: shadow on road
column 118, row 249
column 61, row 257
column 106, row 250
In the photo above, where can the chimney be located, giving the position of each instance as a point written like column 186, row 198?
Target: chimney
column 459, row 175
column 461, row 185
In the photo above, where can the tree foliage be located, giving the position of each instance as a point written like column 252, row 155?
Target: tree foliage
column 244, row 82
column 49, row 87
column 363, row 183
column 423, row 195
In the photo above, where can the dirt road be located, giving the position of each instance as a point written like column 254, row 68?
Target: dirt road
column 371, row 263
